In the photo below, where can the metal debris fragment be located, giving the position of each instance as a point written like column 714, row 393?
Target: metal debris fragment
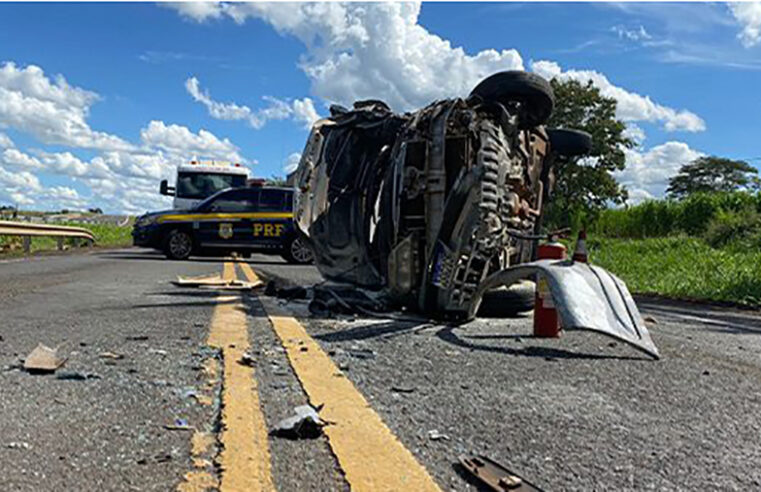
column 496, row 476
column 435, row 435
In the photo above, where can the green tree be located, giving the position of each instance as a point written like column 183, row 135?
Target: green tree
column 711, row 174
column 275, row 180
column 585, row 185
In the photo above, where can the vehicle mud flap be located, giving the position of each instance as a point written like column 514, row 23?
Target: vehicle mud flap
column 586, row 298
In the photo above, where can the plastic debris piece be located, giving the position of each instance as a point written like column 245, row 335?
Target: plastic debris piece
column 111, row 355
column 306, row 424
column 435, row 435
column 158, row 351
column 43, row 360
column 178, row 424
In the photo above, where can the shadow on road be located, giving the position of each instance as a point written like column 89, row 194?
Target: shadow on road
column 717, row 319
column 384, row 330
column 447, row 334
column 156, row 256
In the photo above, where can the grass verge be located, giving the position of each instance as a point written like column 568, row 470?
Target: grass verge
column 682, row 267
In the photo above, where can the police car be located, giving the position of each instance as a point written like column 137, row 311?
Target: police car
column 240, row 220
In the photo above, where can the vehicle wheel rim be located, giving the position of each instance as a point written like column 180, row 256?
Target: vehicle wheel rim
column 180, row 245
column 301, row 251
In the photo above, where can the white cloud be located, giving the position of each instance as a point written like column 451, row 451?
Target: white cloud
column 179, row 140
column 631, row 106
column 122, row 176
column 52, row 112
column 635, row 133
column 291, row 163
column 5, row 141
column 748, row 15
column 198, row 11
column 638, row 34
column 647, row 173
column 301, row 110
column 360, row 51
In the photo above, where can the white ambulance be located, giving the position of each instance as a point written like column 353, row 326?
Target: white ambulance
column 201, row 179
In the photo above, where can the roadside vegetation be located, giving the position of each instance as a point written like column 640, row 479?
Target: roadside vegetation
column 706, row 246
column 703, row 241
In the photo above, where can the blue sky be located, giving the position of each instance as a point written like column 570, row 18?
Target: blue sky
column 98, row 102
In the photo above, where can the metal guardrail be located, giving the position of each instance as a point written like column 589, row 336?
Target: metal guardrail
column 27, row 230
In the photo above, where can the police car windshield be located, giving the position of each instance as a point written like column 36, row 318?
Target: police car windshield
column 202, row 185
column 204, row 205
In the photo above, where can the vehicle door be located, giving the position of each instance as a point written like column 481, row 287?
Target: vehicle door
column 270, row 226
column 224, row 222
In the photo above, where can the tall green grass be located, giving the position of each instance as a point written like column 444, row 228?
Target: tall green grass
column 682, row 267
column 659, row 218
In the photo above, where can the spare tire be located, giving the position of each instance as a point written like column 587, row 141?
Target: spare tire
column 533, row 91
column 507, row 302
column 569, row 142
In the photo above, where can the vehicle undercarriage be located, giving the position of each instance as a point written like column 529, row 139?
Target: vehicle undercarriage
column 420, row 208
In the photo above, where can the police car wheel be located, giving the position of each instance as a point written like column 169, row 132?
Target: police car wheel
column 179, row 245
column 298, row 252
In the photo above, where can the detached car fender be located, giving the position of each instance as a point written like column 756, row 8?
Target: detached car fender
column 586, row 297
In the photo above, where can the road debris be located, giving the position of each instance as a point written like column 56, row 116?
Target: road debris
column 496, row 476
column 160, row 352
column 43, row 360
column 216, row 282
column 75, row 376
column 361, row 353
column 247, row 359
column 111, row 355
column 403, row 389
column 435, row 435
column 179, row 424
column 306, row 424
column 17, row 445
column 288, row 293
column 136, row 338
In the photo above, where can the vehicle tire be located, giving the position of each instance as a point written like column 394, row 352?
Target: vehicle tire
column 525, row 87
column 507, row 302
column 179, row 245
column 298, row 252
column 569, row 142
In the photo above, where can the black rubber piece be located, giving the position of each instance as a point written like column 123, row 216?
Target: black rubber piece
column 507, row 302
column 569, row 142
column 530, row 89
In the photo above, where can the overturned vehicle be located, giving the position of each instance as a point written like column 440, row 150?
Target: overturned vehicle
column 431, row 209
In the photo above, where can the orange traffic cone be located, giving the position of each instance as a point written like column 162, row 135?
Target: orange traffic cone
column 580, row 252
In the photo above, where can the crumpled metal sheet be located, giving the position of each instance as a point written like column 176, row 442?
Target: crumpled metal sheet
column 586, row 297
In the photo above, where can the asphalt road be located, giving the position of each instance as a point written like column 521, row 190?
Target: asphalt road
column 576, row 413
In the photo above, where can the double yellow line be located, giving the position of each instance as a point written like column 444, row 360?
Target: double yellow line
column 370, row 455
